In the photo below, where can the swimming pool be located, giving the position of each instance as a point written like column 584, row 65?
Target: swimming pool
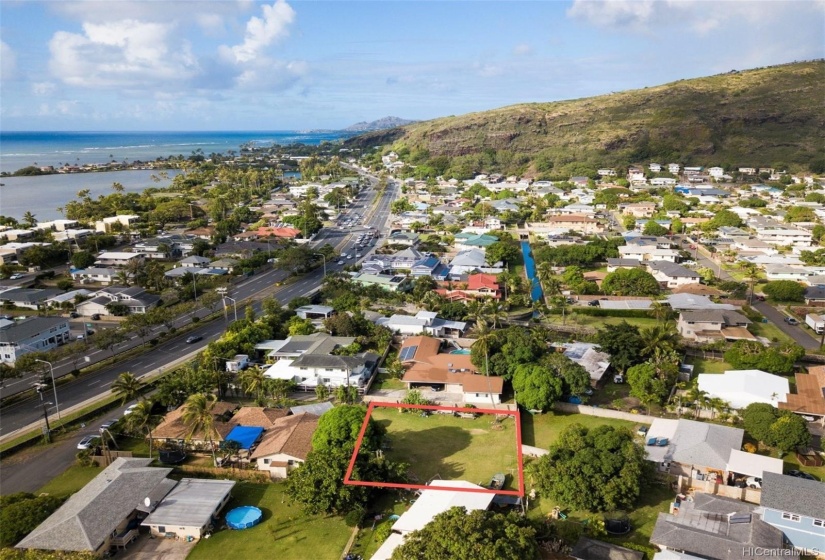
column 461, row 351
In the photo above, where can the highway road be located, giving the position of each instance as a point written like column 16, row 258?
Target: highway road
column 257, row 287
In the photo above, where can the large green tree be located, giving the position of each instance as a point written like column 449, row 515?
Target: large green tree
column 340, row 427
column 623, row 342
column 747, row 354
column 784, row 290
column 630, row 282
column 476, row 535
column 598, row 469
column 21, row 513
column 537, row 386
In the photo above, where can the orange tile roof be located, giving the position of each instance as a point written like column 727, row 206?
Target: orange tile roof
column 476, row 281
column 428, row 366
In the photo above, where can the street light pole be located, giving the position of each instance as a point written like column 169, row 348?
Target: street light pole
column 323, row 256
column 234, row 305
column 54, row 386
column 48, row 432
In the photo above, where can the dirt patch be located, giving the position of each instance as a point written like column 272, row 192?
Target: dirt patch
column 477, row 431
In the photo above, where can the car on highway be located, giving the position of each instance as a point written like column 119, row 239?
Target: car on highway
column 194, row 338
column 88, row 442
column 17, row 276
column 130, row 409
column 107, row 425
column 349, row 257
column 791, row 321
column 341, row 262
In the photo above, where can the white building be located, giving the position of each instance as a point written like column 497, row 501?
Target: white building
column 35, row 334
column 745, row 386
column 785, row 236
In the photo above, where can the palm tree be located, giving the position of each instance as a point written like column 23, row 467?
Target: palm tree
column 560, row 302
column 751, row 272
column 494, row 312
column 199, row 419
column 140, row 419
column 717, row 405
column 662, row 336
column 253, row 382
column 659, row 311
column 483, row 342
column 475, row 312
column 29, row 220
column 122, row 278
column 698, row 397
column 127, row 386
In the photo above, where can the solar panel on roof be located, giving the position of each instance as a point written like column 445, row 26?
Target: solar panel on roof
column 407, row 353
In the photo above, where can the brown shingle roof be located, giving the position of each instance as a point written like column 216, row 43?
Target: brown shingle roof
column 258, row 416
column 172, row 426
column 810, row 393
column 291, row 435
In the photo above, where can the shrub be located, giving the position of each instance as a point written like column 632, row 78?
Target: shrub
column 196, row 319
column 383, row 531
column 749, row 448
column 354, row 517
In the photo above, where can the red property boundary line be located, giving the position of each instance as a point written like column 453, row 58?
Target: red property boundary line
column 519, row 457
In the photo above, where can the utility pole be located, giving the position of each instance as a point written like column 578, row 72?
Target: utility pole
column 54, row 386
column 47, row 433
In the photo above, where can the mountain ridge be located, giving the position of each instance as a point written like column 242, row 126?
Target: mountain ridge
column 378, row 124
column 761, row 116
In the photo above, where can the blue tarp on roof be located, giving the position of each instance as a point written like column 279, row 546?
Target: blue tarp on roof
column 246, row 436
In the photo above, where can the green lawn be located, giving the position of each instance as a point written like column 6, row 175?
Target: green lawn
column 596, row 322
column 286, row 532
column 706, row 365
column 769, row 331
column 70, row 481
column 451, row 448
column 388, row 503
column 383, row 381
column 542, row 430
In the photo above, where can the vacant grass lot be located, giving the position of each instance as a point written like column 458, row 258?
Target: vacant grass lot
column 542, row 430
column 451, row 448
column 706, row 365
column 286, row 532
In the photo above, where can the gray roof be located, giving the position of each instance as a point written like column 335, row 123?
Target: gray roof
column 729, row 318
column 794, row 495
column 623, row 262
column 701, row 527
column 24, row 295
column 591, row 549
column 27, row 328
column 316, row 409
column 694, row 443
column 469, row 257
column 672, row 269
column 691, row 301
column 191, row 503
column 87, row 519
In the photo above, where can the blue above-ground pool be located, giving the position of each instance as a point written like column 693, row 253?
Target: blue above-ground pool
column 244, row 517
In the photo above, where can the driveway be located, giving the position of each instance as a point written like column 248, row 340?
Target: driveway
column 145, row 548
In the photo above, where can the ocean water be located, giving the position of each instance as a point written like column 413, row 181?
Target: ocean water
column 43, row 194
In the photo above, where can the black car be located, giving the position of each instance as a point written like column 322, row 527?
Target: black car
column 193, row 339
column 74, row 314
column 800, row 474
column 96, row 317
column 593, row 303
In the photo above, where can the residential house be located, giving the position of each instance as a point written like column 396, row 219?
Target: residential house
column 636, row 175
column 717, row 528
column 712, row 325
column 672, row 275
column 592, row 549
column 430, row 265
column 606, row 172
column 423, row 322
column 34, row 334
column 695, row 302
column 67, row 298
column 407, row 238
column 106, row 512
column 279, row 232
column 814, row 295
column 747, row 170
column 589, row 356
column 454, row 373
column 716, row 172
column 785, row 236
column 464, row 242
column 315, row 312
column 309, row 361
column 194, row 261
column 745, row 386
column 674, row 168
column 478, row 286
column 786, row 272
column 29, row 298
column 794, row 506
column 655, row 167
column 172, row 428
column 116, row 223
column 574, row 222
column 17, row 234
column 119, row 259
column 96, row 274
column 135, row 298
column 389, row 282
column 431, row 503
column 402, row 260
column 470, row 261
column 648, row 253
column 809, row 398
column 190, row 509
column 615, row 264
column 638, row 209
column 285, row 445
column 663, row 182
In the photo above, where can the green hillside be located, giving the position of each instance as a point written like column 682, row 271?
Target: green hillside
column 767, row 116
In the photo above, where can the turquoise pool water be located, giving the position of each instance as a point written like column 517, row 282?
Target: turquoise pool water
column 463, row 351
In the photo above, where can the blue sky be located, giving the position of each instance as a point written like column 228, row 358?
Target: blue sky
column 279, row 65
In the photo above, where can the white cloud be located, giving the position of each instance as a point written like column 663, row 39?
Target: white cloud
column 124, row 53
column 260, row 33
column 522, row 49
column 613, row 12
column 8, row 62
column 43, row 88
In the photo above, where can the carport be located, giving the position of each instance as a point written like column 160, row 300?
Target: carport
column 751, row 464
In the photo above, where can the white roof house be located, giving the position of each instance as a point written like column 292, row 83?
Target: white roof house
column 430, row 504
column 745, row 386
column 753, row 464
column 693, row 443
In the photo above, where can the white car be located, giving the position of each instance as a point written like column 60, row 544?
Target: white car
column 130, row 410
column 754, row 482
column 341, row 262
column 87, row 442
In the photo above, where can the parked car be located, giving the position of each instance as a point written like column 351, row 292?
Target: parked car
column 16, row 276
column 130, row 410
column 800, row 474
column 107, row 425
column 754, row 482
column 193, row 339
column 87, row 442
column 791, row 321
column 74, row 314
column 96, row 317
column 341, row 262
column 807, row 418
column 593, row 303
